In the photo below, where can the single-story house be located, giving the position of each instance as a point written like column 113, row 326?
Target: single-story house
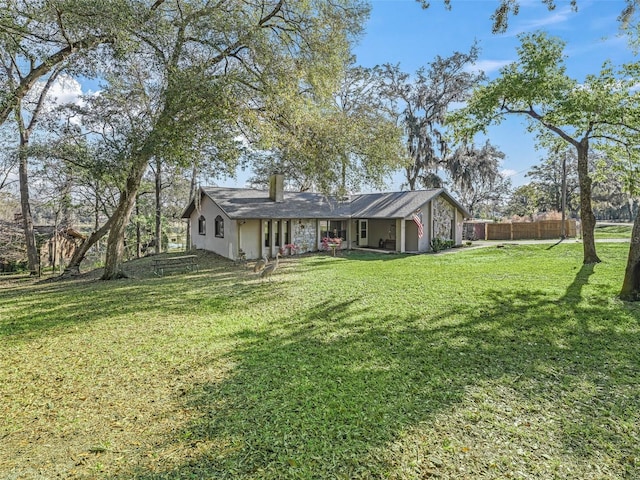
column 250, row 223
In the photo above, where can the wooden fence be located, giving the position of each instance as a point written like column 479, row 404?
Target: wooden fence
column 540, row 230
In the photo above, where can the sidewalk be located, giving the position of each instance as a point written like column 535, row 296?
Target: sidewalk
column 495, row 243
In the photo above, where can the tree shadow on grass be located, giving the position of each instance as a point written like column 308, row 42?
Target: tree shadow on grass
column 48, row 308
column 325, row 393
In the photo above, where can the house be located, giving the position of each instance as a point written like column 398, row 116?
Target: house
column 237, row 221
column 55, row 245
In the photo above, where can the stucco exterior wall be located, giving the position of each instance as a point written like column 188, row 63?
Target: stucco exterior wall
column 411, row 233
column 226, row 245
column 250, row 238
column 413, row 243
column 440, row 219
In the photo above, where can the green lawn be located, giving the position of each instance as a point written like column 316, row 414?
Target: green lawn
column 492, row 363
column 612, row 231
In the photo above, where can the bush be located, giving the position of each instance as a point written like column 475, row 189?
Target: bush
column 438, row 244
column 14, row 266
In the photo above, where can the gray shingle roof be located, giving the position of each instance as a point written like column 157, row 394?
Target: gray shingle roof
column 390, row 205
column 239, row 203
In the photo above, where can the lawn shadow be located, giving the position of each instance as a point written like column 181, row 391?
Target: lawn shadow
column 553, row 245
column 324, row 392
column 47, row 308
column 573, row 294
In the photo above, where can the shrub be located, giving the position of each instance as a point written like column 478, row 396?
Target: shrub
column 438, row 244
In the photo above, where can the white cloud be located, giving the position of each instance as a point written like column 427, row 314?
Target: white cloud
column 65, row 90
column 508, row 172
column 489, row 66
column 545, row 20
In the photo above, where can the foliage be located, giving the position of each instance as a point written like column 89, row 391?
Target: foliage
column 506, row 8
column 600, row 111
column 40, row 37
column 329, row 371
column 293, row 248
column 330, row 242
column 547, row 178
column 524, row 201
column 613, row 197
column 334, row 145
column 438, row 244
column 478, row 184
column 422, row 102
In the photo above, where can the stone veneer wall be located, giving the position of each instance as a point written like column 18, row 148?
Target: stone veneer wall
column 304, row 235
column 443, row 215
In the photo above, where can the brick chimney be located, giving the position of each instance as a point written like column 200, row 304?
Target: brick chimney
column 276, row 187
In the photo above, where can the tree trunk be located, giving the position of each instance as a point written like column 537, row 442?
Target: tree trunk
column 631, row 284
column 563, row 199
column 158, row 206
column 411, row 180
column 73, row 269
column 138, row 230
column 586, row 212
column 27, row 220
column 192, row 196
column 120, row 219
column 25, row 131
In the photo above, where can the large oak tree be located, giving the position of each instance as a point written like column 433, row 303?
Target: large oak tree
column 211, row 68
column 422, row 102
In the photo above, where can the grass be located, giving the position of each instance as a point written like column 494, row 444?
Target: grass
column 513, row 362
column 612, row 231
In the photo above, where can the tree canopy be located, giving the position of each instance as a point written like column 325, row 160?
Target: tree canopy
column 421, row 103
column 601, row 110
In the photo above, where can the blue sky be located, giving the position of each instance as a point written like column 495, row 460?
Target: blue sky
column 400, row 31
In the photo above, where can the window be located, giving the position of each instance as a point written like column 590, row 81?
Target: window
column 219, row 227
column 267, row 234
column 202, row 225
column 286, row 228
column 333, row 229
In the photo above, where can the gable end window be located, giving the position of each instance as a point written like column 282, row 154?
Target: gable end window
column 219, row 227
column 202, row 225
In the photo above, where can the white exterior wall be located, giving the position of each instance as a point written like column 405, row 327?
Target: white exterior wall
column 414, row 243
column 250, row 238
column 248, row 235
column 382, row 229
column 225, row 246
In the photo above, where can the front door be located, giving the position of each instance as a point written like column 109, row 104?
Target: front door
column 363, row 233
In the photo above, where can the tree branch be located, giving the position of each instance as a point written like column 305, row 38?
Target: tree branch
column 557, row 130
column 18, row 93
